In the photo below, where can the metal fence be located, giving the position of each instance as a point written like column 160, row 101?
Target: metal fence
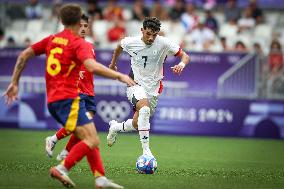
column 240, row 81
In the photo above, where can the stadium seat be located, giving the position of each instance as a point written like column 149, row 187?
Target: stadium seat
column 263, row 31
column 34, row 26
column 133, row 28
column 100, row 28
column 272, row 18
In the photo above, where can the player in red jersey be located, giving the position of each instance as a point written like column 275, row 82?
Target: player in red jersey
column 86, row 92
column 66, row 52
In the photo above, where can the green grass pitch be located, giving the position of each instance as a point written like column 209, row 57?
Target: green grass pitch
column 184, row 162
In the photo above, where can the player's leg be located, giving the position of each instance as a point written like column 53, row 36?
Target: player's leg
column 51, row 141
column 134, row 94
column 71, row 142
column 97, row 168
column 125, row 126
column 90, row 106
column 93, row 156
column 141, row 118
column 71, row 113
column 89, row 140
column 143, row 123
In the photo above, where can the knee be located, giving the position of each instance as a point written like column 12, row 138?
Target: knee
column 93, row 141
column 144, row 111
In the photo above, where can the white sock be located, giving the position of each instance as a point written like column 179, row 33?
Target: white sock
column 54, row 138
column 144, row 139
column 144, row 128
column 124, row 126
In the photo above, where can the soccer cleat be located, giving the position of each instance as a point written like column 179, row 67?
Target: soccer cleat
column 111, row 137
column 62, row 177
column 49, row 146
column 107, row 184
column 62, row 155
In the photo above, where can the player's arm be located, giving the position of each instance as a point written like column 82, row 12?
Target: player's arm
column 85, row 55
column 177, row 69
column 36, row 49
column 12, row 91
column 94, row 67
column 115, row 56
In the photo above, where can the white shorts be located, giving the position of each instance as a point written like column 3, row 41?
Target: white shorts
column 136, row 93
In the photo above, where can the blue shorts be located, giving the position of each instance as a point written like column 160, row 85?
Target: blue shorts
column 70, row 113
column 89, row 102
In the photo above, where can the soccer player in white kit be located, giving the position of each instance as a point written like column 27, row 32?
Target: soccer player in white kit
column 148, row 53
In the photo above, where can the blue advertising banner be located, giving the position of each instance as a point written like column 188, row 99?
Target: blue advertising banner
column 186, row 116
column 176, row 113
column 200, row 76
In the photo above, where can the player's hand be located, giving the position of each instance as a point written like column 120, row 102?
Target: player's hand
column 11, row 93
column 177, row 69
column 113, row 67
column 126, row 79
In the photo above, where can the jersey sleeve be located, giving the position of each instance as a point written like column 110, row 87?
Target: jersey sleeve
column 85, row 51
column 125, row 44
column 39, row 47
column 173, row 48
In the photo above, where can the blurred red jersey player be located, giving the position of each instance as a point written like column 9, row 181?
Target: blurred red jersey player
column 66, row 52
column 86, row 91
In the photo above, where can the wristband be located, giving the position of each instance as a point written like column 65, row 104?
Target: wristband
column 182, row 64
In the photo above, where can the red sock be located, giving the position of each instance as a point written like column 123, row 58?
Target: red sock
column 61, row 133
column 72, row 141
column 95, row 162
column 80, row 150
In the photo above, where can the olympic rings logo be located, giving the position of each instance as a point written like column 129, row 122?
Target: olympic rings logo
column 113, row 110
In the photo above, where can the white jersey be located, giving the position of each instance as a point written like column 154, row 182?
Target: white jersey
column 147, row 60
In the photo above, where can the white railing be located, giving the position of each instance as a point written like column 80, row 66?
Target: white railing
column 241, row 80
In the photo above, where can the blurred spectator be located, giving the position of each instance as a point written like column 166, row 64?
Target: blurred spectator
column 189, row 18
column 117, row 32
column 11, row 42
column 33, row 10
column 55, row 10
column 202, row 37
column 275, row 58
column 94, row 11
column 139, row 11
column 240, row 47
column 27, row 42
column 256, row 12
column 224, row 45
column 210, row 21
column 230, row 31
column 231, row 11
column 112, row 11
column 177, row 10
column 159, row 11
column 258, row 50
column 2, row 38
column 15, row 11
column 209, row 4
column 247, row 22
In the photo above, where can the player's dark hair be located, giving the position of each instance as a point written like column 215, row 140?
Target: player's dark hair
column 70, row 14
column 85, row 18
column 152, row 23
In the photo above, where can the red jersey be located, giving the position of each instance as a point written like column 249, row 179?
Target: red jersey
column 65, row 54
column 86, row 80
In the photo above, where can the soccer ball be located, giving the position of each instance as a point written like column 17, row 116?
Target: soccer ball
column 146, row 164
